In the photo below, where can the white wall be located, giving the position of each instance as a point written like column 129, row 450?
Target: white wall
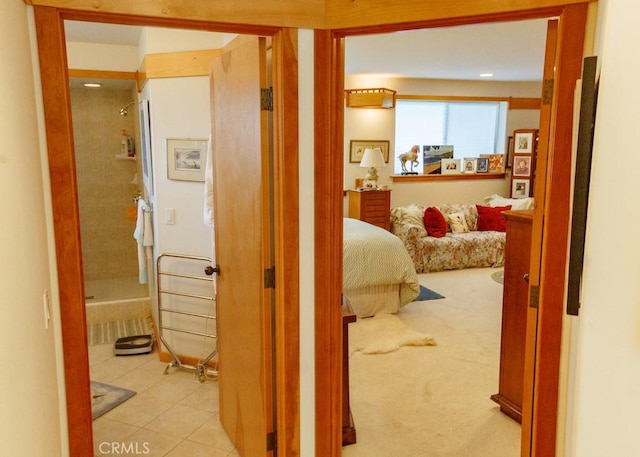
column 104, row 57
column 307, row 227
column 379, row 124
column 607, row 386
column 32, row 401
column 180, row 109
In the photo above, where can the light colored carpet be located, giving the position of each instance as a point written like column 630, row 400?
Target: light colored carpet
column 434, row 401
column 384, row 333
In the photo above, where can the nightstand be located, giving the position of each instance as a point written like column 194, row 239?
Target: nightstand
column 372, row 206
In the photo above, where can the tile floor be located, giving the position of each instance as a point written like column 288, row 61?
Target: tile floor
column 172, row 415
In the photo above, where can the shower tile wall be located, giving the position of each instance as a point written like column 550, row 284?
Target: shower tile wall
column 105, row 188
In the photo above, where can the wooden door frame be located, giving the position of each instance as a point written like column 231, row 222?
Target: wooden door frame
column 57, row 111
column 541, row 407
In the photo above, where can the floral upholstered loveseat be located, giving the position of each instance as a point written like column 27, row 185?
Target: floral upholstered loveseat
column 458, row 244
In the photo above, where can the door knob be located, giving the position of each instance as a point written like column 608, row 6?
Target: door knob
column 526, row 277
column 209, row 270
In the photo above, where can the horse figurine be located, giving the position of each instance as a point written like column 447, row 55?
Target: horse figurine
column 409, row 156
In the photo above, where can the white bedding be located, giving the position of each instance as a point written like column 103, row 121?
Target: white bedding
column 374, row 257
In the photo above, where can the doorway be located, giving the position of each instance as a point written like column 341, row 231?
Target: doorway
column 540, row 419
column 50, row 29
column 441, row 75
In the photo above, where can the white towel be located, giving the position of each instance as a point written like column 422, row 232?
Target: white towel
column 143, row 234
column 208, row 201
column 208, row 186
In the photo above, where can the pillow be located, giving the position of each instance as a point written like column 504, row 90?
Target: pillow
column 413, row 215
column 434, row 222
column 491, row 219
column 458, row 223
column 516, row 203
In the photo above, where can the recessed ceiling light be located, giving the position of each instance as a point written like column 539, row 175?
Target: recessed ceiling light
column 92, row 84
column 486, row 75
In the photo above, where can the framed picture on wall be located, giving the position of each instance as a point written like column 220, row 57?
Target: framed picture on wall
column 186, row 159
column 521, row 165
column 357, row 147
column 523, row 143
column 519, row 188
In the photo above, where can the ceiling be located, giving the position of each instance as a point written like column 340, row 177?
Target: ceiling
column 511, row 51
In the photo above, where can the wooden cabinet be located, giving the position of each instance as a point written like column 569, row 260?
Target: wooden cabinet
column 372, row 206
column 515, row 302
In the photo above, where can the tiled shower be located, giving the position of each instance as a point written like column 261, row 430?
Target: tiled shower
column 107, row 182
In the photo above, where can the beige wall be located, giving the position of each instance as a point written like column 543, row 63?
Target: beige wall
column 606, row 384
column 32, row 411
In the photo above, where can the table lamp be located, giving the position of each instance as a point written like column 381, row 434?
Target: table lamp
column 371, row 159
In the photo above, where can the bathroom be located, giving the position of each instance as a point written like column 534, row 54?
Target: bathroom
column 106, row 137
column 108, row 179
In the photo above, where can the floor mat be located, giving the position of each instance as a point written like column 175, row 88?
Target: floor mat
column 105, row 397
column 427, row 294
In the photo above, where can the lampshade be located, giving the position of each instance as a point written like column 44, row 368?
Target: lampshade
column 372, row 157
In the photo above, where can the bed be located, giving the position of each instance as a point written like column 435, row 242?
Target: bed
column 378, row 275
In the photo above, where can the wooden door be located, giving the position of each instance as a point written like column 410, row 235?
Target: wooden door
column 563, row 65
column 243, row 244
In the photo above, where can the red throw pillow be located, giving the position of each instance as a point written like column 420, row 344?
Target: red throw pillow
column 434, row 222
column 491, row 219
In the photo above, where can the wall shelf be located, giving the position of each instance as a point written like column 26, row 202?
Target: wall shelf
column 452, row 177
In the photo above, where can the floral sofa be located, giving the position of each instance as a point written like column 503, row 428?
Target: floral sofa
column 460, row 243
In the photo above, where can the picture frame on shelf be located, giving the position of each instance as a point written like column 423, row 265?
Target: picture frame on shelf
column 482, row 165
column 432, row 156
column 521, row 165
column 450, row 166
column 496, row 162
column 186, row 158
column 520, row 188
column 357, row 147
column 469, row 165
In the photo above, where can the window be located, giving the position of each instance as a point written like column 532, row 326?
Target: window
column 472, row 128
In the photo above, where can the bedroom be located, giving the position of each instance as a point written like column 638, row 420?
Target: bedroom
column 379, row 125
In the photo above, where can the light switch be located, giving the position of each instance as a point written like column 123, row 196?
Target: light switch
column 170, row 216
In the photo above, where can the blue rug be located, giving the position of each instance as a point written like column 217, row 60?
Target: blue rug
column 105, row 397
column 427, row 294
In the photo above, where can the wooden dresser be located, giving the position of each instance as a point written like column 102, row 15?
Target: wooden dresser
column 515, row 301
column 372, row 206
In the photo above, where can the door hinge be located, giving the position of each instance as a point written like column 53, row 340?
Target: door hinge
column 272, row 441
column 547, row 91
column 534, row 296
column 266, row 99
column 270, row 278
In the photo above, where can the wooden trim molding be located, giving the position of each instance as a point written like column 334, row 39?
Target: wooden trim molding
column 179, row 64
column 101, row 74
column 58, row 124
column 312, row 14
column 328, row 169
column 514, row 102
column 66, row 222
